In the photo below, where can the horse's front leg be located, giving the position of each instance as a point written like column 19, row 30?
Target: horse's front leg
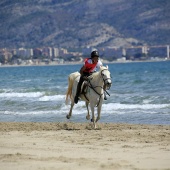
column 88, row 113
column 99, row 111
column 93, row 115
column 70, row 112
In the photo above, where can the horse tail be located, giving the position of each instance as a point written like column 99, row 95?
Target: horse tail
column 71, row 79
column 69, row 90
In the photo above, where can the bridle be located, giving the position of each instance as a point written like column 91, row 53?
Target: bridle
column 94, row 87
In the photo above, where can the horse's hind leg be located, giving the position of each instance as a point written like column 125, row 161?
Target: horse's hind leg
column 88, row 113
column 70, row 112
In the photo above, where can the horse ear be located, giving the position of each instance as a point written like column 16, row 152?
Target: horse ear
column 107, row 66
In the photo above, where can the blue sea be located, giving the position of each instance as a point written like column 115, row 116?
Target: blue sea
column 140, row 94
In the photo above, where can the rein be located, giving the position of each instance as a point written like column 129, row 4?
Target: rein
column 93, row 88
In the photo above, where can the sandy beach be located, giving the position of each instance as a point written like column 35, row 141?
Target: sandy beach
column 75, row 146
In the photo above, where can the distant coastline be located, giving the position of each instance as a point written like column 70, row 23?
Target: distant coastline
column 77, row 63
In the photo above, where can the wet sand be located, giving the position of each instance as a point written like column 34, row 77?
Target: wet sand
column 77, row 146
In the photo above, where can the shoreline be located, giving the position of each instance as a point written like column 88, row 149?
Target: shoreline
column 76, row 146
column 79, row 63
column 52, row 126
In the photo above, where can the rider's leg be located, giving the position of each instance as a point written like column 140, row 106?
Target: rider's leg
column 78, row 90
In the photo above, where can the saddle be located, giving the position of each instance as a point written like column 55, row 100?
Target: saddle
column 84, row 86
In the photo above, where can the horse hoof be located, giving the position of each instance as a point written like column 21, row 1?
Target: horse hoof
column 88, row 117
column 68, row 117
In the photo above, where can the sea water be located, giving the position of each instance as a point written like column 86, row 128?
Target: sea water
column 140, row 94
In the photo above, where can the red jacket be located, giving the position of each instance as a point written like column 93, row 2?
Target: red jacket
column 89, row 66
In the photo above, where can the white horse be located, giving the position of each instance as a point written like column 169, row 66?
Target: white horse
column 96, row 84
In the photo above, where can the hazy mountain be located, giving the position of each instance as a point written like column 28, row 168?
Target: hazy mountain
column 80, row 23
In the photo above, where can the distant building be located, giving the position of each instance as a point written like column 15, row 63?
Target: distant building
column 168, row 52
column 25, row 53
column 37, row 52
column 63, row 52
column 133, row 51
column 55, row 52
column 110, row 53
column 47, row 51
column 158, row 51
column 6, row 55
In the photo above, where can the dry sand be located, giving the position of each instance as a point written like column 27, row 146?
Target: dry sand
column 77, row 146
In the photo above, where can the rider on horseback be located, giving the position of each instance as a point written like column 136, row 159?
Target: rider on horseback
column 90, row 65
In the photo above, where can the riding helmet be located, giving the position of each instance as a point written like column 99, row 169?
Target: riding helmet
column 94, row 54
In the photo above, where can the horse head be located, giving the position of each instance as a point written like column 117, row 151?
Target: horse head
column 106, row 76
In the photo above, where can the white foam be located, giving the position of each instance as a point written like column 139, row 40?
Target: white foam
column 80, row 108
column 118, row 106
column 28, row 80
column 28, row 113
column 52, row 98
column 19, row 95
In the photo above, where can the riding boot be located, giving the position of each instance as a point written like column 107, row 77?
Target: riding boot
column 77, row 93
